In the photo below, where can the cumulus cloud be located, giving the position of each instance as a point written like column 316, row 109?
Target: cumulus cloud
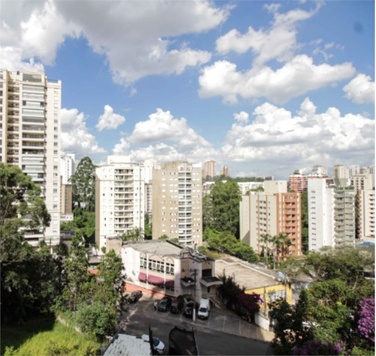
column 241, row 117
column 276, row 135
column 75, row 135
column 122, row 147
column 109, row 120
column 278, row 42
column 360, row 90
column 296, row 77
column 136, row 38
column 162, row 126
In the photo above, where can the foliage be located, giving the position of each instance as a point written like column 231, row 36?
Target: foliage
column 221, row 207
column 236, row 179
column 317, row 347
column 366, row 323
column 225, row 242
column 305, row 231
column 148, row 227
column 136, row 234
column 163, row 237
column 83, row 224
column 41, row 338
column 83, row 185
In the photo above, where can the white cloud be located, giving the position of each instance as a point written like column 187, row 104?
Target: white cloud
column 109, row 120
column 136, row 38
column 122, row 147
column 277, row 136
column 296, row 77
column 361, row 89
column 162, row 126
column 11, row 59
column 75, row 135
column 241, row 117
column 278, row 42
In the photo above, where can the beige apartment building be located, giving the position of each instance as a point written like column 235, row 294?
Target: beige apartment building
column 344, row 216
column 177, row 202
column 362, row 181
column 340, row 176
column 30, row 106
column 119, row 198
column 66, row 199
column 271, row 212
column 209, row 169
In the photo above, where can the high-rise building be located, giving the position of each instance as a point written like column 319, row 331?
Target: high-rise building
column 354, row 170
column 66, row 200
column 340, row 176
column 344, row 216
column 119, row 198
column 362, row 181
column 271, row 212
column 366, row 215
column 67, row 166
column 209, row 169
column 177, row 202
column 149, row 165
column 319, row 171
column 225, row 171
column 30, row 105
column 320, row 214
column 297, row 182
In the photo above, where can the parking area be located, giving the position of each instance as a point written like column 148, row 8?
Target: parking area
column 219, row 320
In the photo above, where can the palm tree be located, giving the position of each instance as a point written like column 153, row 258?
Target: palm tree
column 265, row 239
column 285, row 243
column 276, row 242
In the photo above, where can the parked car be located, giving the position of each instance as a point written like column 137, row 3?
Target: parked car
column 204, row 309
column 135, row 296
column 158, row 346
column 188, row 310
column 164, row 304
column 176, row 307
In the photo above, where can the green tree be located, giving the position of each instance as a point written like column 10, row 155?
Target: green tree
column 148, row 227
column 83, row 185
column 221, row 207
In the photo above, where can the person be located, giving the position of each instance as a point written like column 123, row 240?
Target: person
column 155, row 304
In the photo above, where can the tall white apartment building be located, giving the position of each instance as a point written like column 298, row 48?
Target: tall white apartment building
column 320, row 214
column 30, row 107
column 344, row 216
column 366, row 222
column 177, row 202
column 362, row 181
column 67, row 166
column 150, row 165
column 354, row 170
column 119, row 198
column 340, row 176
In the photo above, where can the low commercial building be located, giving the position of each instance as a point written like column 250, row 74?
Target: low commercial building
column 162, row 267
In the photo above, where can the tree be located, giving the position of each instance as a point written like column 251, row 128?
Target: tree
column 221, row 207
column 83, row 185
column 148, row 227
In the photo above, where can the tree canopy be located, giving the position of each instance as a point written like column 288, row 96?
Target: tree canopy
column 83, row 185
column 221, row 207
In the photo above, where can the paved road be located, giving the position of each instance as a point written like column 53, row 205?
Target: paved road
column 210, row 341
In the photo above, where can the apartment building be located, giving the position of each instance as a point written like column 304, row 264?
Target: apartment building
column 66, row 200
column 67, row 166
column 340, row 176
column 119, row 198
column 177, row 202
column 362, row 182
column 225, row 171
column 150, row 165
column 319, row 171
column 271, row 212
column 366, row 215
column 320, row 214
column 30, row 105
column 209, row 169
column 344, row 215
column 297, row 182
column 354, row 170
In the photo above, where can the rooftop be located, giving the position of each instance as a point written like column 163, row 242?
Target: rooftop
column 126, row 344
column 246, row 276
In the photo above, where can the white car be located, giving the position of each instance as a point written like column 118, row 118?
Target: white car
column 158, row 345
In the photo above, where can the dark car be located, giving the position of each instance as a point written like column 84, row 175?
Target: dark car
column 188, row 310
column 176, row 307
column 135, row 296
column 164, row 304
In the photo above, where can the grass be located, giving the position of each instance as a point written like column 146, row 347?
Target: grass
column 45, row 337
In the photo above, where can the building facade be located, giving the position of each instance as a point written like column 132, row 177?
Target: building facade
column 340, row 176
column 66, row 199
column 177, row 202
column 362, row 181
column 30, row 139
column 119, row 199
column 271, row 212
column 344, row 216
column 67, row 166
column 225, row 171
column 297, row 182
column 209, row 169
column 320, row 214
column 366, row 211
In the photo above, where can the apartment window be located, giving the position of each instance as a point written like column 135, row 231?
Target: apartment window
column 55, row 128
column 55, row 137
column 55, row 144
column 55, row 152
column 55, row 183
column 56, row 121
column 56, row 113
column 55, row 175
column 55, row 206
column 55, row 168
column 55, row 190
column 56, row 98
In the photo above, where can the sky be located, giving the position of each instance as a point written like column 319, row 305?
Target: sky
column 264, row 88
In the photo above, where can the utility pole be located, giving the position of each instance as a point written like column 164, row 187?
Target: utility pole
column 194, row 270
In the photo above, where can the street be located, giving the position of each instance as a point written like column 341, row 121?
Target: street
column 213, row 337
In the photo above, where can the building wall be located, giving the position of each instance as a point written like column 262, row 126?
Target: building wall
column 177, row 202
column 30, row 138
column 344, row 216
column 298, row 183
column 120, row 205
column 367, row 214
column 340, row 176
column 362, row 181
column 320, row 214
column 66, row 199
column 209, row 169
column 68, row 166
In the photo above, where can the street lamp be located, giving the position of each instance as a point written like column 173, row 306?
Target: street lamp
column 194, row 270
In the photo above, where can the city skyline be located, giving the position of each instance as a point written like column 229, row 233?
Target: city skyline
column 262, row 88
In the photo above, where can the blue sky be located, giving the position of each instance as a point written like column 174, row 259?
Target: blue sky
column 262, row 87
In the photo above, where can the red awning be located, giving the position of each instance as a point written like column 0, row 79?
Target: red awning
column 142, row 277
column 155, row 280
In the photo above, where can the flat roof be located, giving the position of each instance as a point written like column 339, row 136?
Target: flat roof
column 246, row 276
column 126, row 344
column 157, row 247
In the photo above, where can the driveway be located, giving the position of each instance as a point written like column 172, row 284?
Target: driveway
column 224, row 333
